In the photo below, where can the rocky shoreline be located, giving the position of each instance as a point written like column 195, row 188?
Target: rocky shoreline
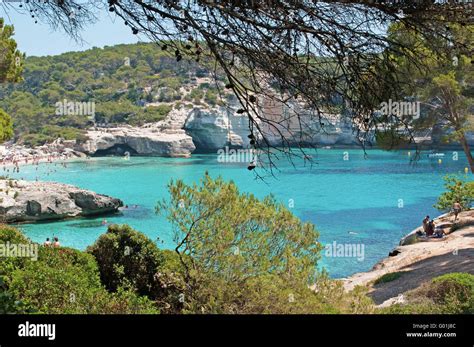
column 199, row 129
column 417, row 260
column 25, row 201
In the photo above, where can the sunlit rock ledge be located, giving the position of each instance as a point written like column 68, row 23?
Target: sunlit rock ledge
column 24, row 201
column 418, row 260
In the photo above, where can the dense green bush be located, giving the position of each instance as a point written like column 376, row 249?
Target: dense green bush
column 391, row 139
column 50, row 133
column 452, row 293
column 9, row 304
column 13, row 236
column 458, row 190
column 6, row 126
column 60, row 280
column 67, row 281
column 127, row 257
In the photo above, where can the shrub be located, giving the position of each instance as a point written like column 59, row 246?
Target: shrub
column 61, row 280
column 9, row 304
column 127, row 257
column 447, row 294
column 13, row 236
column 224, row 271
column 459, row 190
column 6, row 126
column 124, row 254
column 67, row 281
column 455, row 291
column 391, row 139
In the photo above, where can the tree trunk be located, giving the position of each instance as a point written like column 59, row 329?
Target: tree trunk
column 467, row 151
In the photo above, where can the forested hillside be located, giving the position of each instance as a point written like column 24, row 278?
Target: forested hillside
column 131, row 84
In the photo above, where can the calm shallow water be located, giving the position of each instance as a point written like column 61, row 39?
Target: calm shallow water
column 372, row 201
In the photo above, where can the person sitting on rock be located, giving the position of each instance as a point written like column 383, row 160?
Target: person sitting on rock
column 426, row 221
column 438, row 232
column 430, row 229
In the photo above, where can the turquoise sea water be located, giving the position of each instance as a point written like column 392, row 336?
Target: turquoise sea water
column 372, row 201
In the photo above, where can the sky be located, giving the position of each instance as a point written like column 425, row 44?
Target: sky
column 40, row 40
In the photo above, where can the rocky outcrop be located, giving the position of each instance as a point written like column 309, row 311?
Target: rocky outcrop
column 153, row 139
column 182, row 132
column 212, row 129
column 418, row 261
column 24, row 201
column 207, row 129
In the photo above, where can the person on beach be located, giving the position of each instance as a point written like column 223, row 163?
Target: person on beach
column 47, row 243
column 56, row 243
column 430, row 229
column 456, row 209
column 426, row 221
column 438, row 232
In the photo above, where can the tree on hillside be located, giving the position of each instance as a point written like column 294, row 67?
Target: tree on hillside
column 11, row 67
column 312, row 52
column 445, row 85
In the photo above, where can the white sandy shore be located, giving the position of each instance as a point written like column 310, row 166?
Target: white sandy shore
column 17, row 156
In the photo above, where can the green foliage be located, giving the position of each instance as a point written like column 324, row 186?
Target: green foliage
column 152, row 114
column 127, row 258
column 195, row 95
column 6, row 126
column 12, row 236
column 11, row 68
column 50, row 133
column 458, row 190
column 120, row 92
column 245, row 255
column 443, row 81
column 61, row 280
column 9, row 304
column 64, row 281
column 214, row 218
column 452, row 293
column 211, row 97
column 11, row 60
column 125, row 255
column 392, row 276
